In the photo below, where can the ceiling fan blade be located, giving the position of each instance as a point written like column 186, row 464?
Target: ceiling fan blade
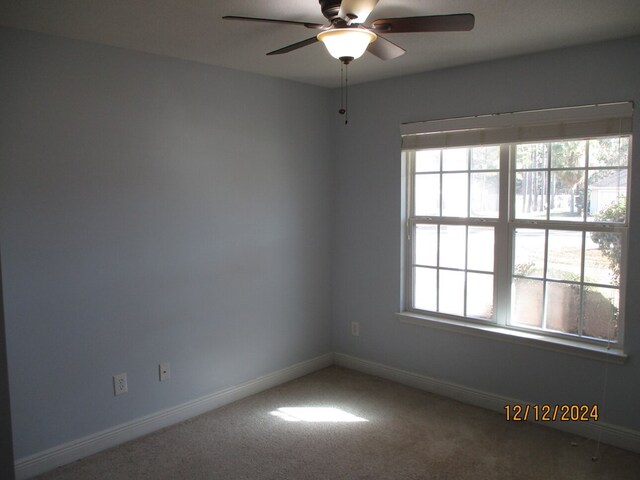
column 434, row 23
column 294, row 46
column 357, row 10
column 271, row 20
column 384, row 49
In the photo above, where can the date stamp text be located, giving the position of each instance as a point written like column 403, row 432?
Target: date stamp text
column 551, row 413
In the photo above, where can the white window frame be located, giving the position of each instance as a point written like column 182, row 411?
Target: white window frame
column 510, row 129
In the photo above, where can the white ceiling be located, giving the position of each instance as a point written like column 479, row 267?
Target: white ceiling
column 194, row 30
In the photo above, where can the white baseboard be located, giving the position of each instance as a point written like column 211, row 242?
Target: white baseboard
column 44, row 461
column 606, row 433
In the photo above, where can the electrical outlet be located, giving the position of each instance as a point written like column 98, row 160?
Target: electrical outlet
column 164, row 370
column 120, row 384
column 355, row 329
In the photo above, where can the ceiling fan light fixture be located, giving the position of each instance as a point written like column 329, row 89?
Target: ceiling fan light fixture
column 350, row 43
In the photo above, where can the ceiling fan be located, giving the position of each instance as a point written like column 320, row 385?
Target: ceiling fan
column 347, row 37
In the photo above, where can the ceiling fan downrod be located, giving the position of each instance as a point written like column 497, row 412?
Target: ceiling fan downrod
column 330, row 9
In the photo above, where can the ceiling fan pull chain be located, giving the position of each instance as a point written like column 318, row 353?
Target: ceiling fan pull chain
column 346, row 93
column 342, row 110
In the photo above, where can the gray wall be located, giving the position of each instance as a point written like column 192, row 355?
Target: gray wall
column 6, row 434
column 366, row 285
column 153, row 210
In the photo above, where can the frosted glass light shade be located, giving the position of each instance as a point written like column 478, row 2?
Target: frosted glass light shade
column 347, row 42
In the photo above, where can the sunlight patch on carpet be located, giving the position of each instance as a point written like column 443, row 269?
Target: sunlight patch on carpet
column 316, row 414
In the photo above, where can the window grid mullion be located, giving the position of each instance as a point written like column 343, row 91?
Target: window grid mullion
column 438, row 273
column 585, row 193
column 441, row 180
column 410, row 248
column 466, row 236
column 503, row 241
column 583, row 253
column 466, row 266
column 545, row 298
column 547, row 196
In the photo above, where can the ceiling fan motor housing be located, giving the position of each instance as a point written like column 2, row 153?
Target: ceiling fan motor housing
column 330, row 8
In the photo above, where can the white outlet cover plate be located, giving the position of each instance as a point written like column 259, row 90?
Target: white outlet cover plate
column 165, row 371
column 120, row 384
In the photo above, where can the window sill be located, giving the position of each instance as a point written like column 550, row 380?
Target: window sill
column 571, row 347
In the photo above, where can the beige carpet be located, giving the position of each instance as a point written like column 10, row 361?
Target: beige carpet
column 367, row 428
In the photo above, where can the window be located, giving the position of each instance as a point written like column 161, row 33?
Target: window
column 519, row 221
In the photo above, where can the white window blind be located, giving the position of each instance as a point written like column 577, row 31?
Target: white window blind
column 529, row 126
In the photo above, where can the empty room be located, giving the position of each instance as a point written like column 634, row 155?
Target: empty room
column 319, row 239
